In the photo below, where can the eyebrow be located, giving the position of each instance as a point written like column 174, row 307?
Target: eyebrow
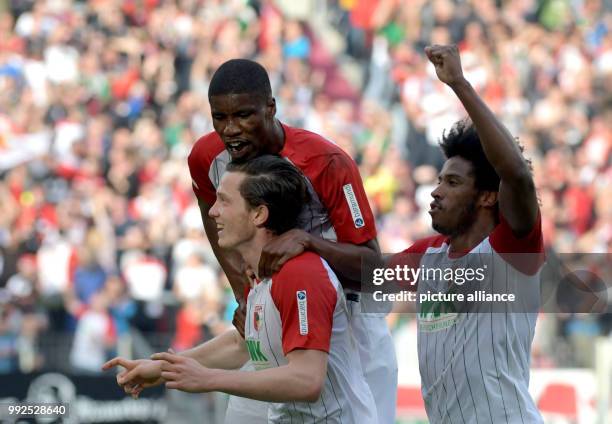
column 450, row 175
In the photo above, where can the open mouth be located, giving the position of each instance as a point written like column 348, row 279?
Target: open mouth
column 236, row 147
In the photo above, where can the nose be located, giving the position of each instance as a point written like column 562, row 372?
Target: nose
column 437, row 193
column 232, row 129
column 213, row 211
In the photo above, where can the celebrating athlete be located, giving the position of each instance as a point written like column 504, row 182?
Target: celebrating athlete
column 337, row 224
column 474, row 360
column 297, row 324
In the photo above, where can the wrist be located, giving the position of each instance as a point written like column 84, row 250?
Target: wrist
column 308, row 242
column 460, row 84
column 214, row 380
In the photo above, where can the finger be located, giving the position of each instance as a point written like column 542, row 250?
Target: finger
column 172, row 385
column 166, row 356
column 130, row 376
column 170, row 376
column 277, row 264
column 261, row 266
column 120, row 378
column 167, row 366
column 125, row 363
column 170, row 350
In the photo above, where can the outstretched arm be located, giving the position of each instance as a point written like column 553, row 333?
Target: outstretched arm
column 517, row 195
column 301, row 380
column 226, row 351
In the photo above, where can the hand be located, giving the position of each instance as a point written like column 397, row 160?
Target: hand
column 280, row 250
column 447, row 63
column 183, row 373
column 240, row 316
column 138, row 375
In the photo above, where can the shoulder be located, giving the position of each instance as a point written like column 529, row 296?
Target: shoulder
column 412, row 255
column 306, row 148
column 307, row 264
column 421, row 245
column 205, row 149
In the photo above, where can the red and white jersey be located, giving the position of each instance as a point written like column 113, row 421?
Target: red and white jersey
column 339, row 209
column 474, row 357
column 303, row 307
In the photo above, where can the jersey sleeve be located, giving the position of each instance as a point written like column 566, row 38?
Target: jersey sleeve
column 341, row 190
column 525, row 254
column 411, row 259
column 306, row 299
column 199, row 166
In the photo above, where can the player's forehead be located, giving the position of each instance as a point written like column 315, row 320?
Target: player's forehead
column 457, row 166
column 233, row 102
column 230, row 183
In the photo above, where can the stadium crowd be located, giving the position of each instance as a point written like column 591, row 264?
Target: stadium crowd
column 101, row 101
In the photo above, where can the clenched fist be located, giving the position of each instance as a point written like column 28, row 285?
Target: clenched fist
column 447, row 63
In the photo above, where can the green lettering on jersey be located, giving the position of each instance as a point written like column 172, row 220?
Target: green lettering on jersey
column 255, row 353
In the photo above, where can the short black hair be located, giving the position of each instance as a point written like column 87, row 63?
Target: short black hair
column 462, row 141
column 274, row 182
column 240, row 76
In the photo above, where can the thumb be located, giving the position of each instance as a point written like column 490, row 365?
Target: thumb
column 171, row 350
column 130, row 375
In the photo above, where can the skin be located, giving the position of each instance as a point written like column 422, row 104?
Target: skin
column 456, row 191
column 251, row 120
column 211, row 365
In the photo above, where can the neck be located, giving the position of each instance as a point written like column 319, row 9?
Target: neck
column 251, row 250
column 278, row 136
column 464, row 242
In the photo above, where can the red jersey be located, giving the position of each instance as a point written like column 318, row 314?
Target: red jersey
column 338, row 210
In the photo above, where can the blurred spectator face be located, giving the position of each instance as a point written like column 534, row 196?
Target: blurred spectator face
column 453, row 209
column 245, row 123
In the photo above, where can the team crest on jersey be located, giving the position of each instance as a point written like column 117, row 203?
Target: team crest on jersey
column 257, row 317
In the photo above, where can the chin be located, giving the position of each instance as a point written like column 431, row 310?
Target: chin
column 445, row 231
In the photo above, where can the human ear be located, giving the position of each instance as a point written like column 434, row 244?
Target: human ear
column 260, row 215
column 488, row 199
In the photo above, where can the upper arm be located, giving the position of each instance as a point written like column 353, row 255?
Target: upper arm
column 341, row 190
column 306, row 300
column 312, row 363
column 518, row 203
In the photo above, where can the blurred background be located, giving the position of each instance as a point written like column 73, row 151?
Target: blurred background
column 102, row 249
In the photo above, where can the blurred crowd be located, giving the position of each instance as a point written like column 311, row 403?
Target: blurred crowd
column 101, row 101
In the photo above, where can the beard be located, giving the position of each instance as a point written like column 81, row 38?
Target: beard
column 465, row 220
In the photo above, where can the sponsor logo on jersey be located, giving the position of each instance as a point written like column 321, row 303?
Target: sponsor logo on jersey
column 302, row 303
column 257, row 317
column 255, row 353
column 353, row 205
column 436, row 316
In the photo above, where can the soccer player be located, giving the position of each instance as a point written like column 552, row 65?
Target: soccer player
column 297, row 325
column 337, row 224
column 474, row 360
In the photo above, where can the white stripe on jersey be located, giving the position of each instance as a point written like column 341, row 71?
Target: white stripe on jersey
column 346, row 397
